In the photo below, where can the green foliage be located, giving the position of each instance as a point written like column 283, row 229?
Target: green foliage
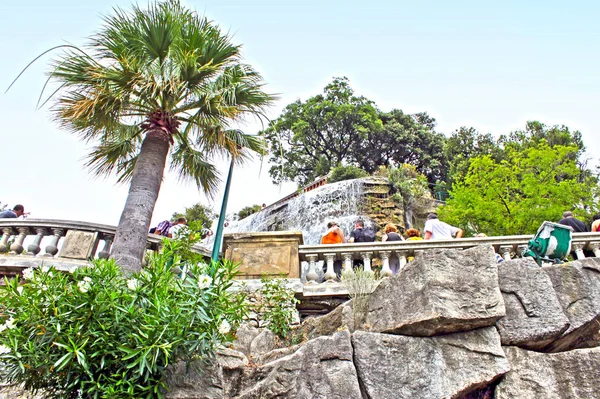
column 534, row 183
column 277, row 305
column 346, row 172
column 248, row 210
column 99, row 333
column 197, row 213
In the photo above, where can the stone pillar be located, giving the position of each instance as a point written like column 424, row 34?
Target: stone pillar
column 347, row 262
column 312, row 276
column 330, row 273
column 367, row 261
column 504, row 251
column 6, row 233
column 578, row 248
column 385, row 259
column 520, row 250
column 34, row 248
column 593, row 247
column 52, row 248
column 402, row 258
column 17, row 246
column 108, row 240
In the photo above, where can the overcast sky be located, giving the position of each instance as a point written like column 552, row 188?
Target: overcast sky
column 466, row 63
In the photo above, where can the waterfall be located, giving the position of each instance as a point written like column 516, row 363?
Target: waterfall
column 309, row 212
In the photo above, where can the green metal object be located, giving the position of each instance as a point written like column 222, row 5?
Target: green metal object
column 551, row 243
column 220, row 224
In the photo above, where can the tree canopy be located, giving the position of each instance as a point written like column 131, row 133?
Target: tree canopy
column 197, row 213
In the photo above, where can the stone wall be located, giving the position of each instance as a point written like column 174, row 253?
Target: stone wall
column 451, row 324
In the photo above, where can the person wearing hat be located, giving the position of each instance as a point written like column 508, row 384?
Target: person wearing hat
column 435, row 229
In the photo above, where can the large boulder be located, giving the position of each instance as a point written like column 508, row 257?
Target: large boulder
column 339, row 318
column 321, row 368
column 398, row 367
column 534, row 316
column 577, row 287
column 441, row 291
column 567, row 375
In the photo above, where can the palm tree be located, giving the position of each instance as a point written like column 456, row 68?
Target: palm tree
column 153, row 85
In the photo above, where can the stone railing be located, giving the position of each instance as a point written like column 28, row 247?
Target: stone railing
column 28, row 242
column 507, row 246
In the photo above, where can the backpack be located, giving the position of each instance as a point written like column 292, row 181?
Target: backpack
column 369, row 234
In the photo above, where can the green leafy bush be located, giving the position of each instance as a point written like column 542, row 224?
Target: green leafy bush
column 341, row 172
column 277, row 305
column 99, row 333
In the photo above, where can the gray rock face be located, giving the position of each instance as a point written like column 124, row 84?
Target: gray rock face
column 14, row 392
column 577, row 287
column 568, row 375
column 339, row 318
column 322, row 369
column 534, row 316
column 263, row 343
column 399, row 367
column 441, row 291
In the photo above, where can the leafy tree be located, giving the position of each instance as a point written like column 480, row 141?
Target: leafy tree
column 409, row 187
column 156, row 84
column 197, row 213
column 248, row 210
column 346, row 172
column 311, row 137
column 404, row 139
column 515, row 195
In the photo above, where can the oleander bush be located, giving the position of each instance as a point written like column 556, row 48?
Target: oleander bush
column 277, row 305
column 100, row 333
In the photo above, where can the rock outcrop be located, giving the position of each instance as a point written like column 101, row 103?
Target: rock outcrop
column 534, row 317
column 394, row 366
column 440, row 292
column 568, row 375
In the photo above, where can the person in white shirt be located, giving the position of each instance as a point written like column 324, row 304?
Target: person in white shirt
column 176, row 229
column 435, row 229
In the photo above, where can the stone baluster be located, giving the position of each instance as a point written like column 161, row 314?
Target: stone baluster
column 504, row 251
column 108, row 240
column 52, row 248
column 330, row 273
column 6, row 233
column 402, row 257
column 578, row 249
column 311, row 275
column 520, row 250
column 17, row 246
column 593, row 247
column 34, row 248
column 385, row 260
column 347, row 256
column 367, row 261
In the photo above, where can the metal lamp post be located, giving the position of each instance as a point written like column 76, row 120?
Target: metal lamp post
column 219, row 233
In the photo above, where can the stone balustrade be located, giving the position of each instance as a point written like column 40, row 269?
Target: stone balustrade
column 507, row 246
column 29, row 242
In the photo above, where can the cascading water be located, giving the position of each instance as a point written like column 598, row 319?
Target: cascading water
column 309, row 212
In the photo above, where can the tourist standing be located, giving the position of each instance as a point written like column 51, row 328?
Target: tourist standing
column 596, row 223
column 435, row 229
column 334, row 235
column 413, row 235
column 391, row 234
column 359, row 234
column 569, row 220
column 177, row 227
column 16, row 212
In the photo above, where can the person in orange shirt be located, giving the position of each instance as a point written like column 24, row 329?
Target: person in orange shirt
column 334, row 235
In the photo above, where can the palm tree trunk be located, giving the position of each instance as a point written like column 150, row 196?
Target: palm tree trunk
column 130, row 241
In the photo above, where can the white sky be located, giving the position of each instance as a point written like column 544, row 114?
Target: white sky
column 492, row 67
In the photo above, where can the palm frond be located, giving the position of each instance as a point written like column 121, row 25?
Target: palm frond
column 116, row 153
column 191, row 164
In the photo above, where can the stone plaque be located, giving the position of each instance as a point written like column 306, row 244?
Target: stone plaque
column 79, row 245
column 270, row 253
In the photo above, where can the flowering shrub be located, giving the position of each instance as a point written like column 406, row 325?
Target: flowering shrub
column 99, row 333
column 277, row 305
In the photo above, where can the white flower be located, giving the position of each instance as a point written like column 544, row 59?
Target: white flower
column 84, row 286
column 45, row 269
column 225, row 327
column 8, row 324
column 28, row 273
column 20, row 290
column 204, row 281
column 44, row 287
column 87, row 279
column 4, row 349
column 132, row 284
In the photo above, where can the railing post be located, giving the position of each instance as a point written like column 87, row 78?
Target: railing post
column 385, row 260
column 34, row 248
column 6, row 233
column 347, row 262
column 52, row 248
column 367, row 261
column 17, row 246
column 578, row 248
column 504, row 251
column 330, row 273
column 108, row 240
column 312, row 276
column 596, row 249
column 402, row 258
